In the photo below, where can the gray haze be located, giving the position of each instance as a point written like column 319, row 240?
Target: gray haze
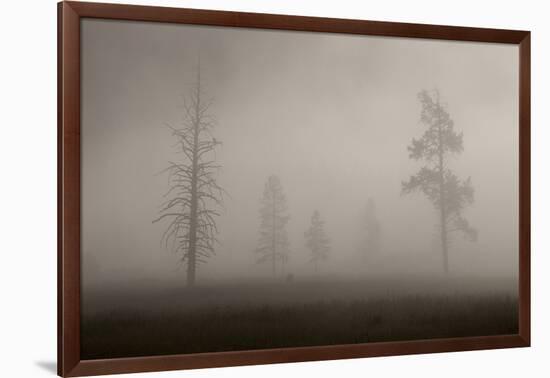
column 331, row 115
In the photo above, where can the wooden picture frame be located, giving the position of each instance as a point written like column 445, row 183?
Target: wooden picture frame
column 70, row 15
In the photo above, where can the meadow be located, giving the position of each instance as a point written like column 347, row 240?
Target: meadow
column 142, row 320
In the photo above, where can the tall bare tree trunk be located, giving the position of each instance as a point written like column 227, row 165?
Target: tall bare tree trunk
column 443, row 221
column 273, row 240
column 192, row 263
column 442, row 209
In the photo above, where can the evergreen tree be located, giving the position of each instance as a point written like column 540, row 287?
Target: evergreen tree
column 273, row 245
column 317, row 241
column 448, row 194
column 371, row 232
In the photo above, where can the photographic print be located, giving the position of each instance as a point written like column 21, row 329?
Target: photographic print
column 240, row 188
column 247, row 189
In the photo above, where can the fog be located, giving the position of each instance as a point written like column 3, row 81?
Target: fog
column 331, row 115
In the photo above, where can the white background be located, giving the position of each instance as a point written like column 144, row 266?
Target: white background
column 28, row 187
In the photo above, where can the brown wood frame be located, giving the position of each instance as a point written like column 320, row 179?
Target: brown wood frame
column 69, row 15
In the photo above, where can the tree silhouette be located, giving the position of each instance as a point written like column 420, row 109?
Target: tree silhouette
column 316, row 240
column 370, row 243
column 194, row 193
column 273, row 244
column 444, row 189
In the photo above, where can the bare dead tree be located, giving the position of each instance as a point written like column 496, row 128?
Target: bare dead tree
column 435, row 180
column 194, row 194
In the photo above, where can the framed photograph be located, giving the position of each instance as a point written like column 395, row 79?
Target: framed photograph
column 239, row 188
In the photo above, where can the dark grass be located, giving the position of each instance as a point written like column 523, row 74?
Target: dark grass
column 128, row 331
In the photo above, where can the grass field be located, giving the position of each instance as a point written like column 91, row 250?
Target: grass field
column 159, row 321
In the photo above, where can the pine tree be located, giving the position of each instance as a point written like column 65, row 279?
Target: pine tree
column 317, row 241
column 371, row 232
column 448, row 194
column 273, row 245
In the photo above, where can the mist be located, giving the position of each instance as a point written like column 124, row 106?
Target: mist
column 330, row 115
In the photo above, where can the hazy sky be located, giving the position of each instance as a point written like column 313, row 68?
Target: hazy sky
column 330, row 114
